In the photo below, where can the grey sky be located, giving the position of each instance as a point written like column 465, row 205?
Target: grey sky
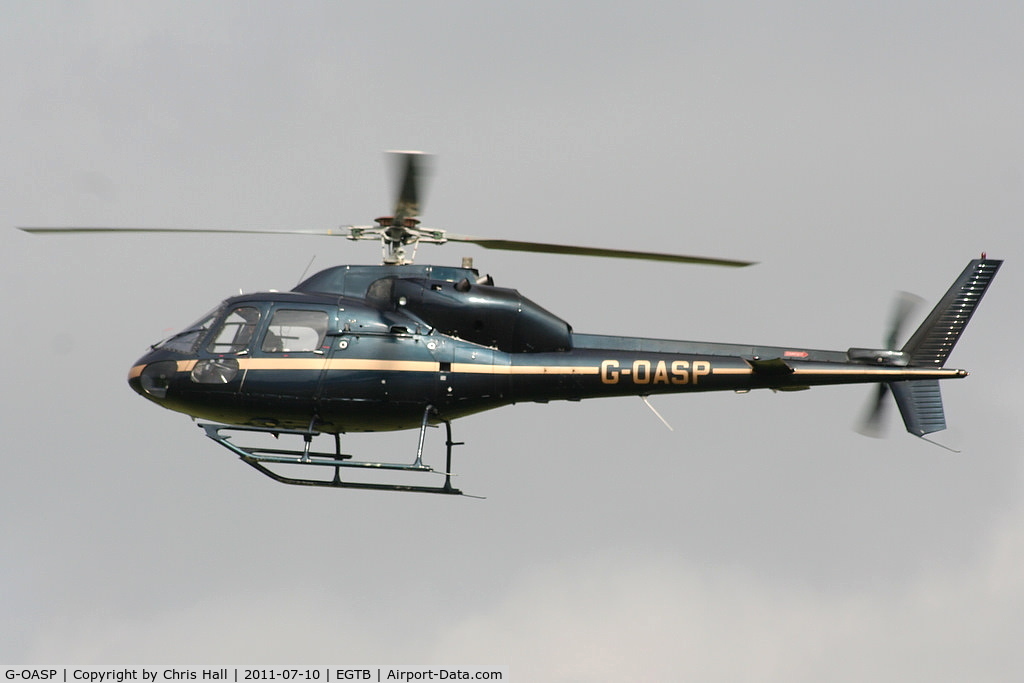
column 854, row 149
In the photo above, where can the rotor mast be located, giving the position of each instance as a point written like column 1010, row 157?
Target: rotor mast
column 396, row 236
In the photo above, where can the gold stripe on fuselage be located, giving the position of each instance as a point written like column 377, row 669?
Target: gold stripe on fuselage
column 372, row 364
column 376, row 364
column 181, row 366
column 525, row 369
column 819, row 371
column 901, row 372
column 716, row 370
column 337, row 364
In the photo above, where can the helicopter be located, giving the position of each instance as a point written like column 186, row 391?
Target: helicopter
column 403, row 346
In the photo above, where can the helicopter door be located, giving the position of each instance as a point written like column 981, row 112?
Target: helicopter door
column 287, row 362
column 220, row 367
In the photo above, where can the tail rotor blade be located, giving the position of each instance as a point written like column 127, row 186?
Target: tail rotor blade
column 873, row 423
column 906, row 303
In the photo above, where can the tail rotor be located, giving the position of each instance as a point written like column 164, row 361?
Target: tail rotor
column 874, row 420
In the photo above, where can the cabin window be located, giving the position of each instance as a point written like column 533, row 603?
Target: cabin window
column 293, row 331
column 235, row 333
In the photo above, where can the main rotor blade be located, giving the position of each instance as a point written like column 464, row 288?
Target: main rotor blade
column 411, row 172
column 254, row 231
column 544, row 248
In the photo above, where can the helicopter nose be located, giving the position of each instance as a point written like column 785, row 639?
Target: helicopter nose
column 153, row 379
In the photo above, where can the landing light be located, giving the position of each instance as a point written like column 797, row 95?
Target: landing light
column 156, row 377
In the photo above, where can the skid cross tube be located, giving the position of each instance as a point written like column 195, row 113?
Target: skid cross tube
column 259, row 458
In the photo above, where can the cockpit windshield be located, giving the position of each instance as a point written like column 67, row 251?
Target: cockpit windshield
column 186, row 340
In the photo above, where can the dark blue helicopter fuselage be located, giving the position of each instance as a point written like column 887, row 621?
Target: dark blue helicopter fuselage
column 368, row 348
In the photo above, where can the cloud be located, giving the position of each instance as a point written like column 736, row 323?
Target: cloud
column 658, row 618
column 605, row 617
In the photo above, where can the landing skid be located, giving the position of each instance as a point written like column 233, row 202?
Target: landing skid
column 259, row 458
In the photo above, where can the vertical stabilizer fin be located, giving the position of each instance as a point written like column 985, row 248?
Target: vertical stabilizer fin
column 920, row 405
column 932, row 343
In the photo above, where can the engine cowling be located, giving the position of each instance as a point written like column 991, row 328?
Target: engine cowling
column 483, row 314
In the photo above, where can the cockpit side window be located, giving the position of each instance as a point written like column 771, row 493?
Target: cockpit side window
column 237, row 330
column 292, row 330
